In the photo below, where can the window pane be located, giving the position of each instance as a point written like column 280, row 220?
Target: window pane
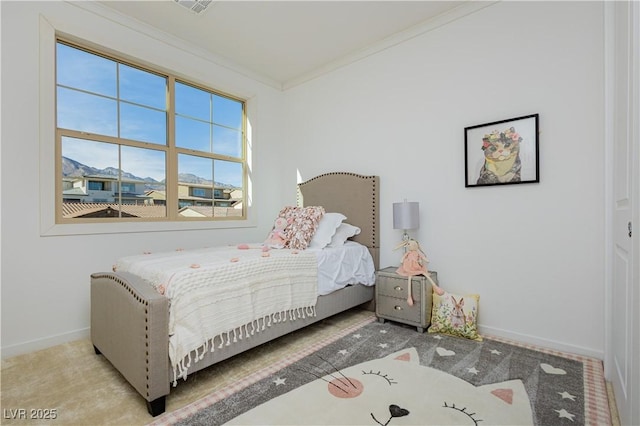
column 193, row 134
column 195, row 186
column 94, row 187
column 227, row 174
column 145, row 164
column 229, row 190
column 193, row 169
column 88, row 157
column 192, row 102
column 142, row 87
column 89, row 178
column 227, row 112
column 143, row 181
column 86, row 71
column 143, row 124
column 86, row 113
column 227, row 141
column 128, row 187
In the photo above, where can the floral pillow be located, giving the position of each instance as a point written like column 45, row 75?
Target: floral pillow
column 456, row 315
column 303, row 222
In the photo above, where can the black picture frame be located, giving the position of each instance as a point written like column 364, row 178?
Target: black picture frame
column 484, row 144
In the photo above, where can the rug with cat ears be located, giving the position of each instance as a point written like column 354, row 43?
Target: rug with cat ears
column 393, row 372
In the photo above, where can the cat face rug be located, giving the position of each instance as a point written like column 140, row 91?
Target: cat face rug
column 393, row 390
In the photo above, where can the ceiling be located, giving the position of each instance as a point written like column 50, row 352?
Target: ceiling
column 285, row 42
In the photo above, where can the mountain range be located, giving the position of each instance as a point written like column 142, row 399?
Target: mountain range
column 73, row 168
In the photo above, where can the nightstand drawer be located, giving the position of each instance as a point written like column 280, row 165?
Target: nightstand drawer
column 398, row 309
column 391, row 284
column 397, row 286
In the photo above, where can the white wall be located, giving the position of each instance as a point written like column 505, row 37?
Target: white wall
column 45, row 279
column 533, row 252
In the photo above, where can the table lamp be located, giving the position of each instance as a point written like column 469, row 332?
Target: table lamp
column 406, row 215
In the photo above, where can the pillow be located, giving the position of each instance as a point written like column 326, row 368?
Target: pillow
column 303, row 222
column 326, row 229
column 344, row 232
column 455, row 315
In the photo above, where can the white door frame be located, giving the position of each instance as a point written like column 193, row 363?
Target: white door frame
column 629, row 410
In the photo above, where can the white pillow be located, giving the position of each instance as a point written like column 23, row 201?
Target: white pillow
column 344, row 232
column 326, row 229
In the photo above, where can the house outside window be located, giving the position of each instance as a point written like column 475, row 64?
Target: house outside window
column 128, row 135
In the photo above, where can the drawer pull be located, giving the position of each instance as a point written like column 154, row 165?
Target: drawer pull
column 398, row 288
column 397, row 308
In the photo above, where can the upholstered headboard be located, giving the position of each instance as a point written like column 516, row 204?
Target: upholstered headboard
column 356, row 196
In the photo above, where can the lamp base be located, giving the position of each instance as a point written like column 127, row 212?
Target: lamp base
column 405, row 238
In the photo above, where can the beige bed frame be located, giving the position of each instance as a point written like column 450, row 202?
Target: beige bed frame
column 129, row 318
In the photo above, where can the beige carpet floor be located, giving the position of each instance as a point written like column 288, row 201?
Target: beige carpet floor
column 84, row 389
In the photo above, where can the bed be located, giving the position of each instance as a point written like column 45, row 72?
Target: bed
column 130, row 317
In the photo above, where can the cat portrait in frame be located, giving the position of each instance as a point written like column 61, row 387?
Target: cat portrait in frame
column 502, row 152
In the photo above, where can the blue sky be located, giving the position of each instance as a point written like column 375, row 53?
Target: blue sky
column 97, row 95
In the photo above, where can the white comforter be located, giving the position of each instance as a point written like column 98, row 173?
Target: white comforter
column 218, row 295
column 221, row 294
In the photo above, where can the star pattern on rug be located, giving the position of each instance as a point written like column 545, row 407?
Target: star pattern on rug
column 384, row 340
column 564, row 414
column 550, row 369
column 567, row 395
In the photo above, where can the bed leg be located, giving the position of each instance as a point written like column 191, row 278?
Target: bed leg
column 157, row 406
column 97, row 350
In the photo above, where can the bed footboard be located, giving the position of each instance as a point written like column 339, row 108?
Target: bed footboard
column 129, row 326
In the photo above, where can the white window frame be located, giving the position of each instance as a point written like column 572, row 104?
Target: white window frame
column 47, row 160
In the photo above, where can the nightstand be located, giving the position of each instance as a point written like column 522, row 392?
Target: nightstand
column 391, row 298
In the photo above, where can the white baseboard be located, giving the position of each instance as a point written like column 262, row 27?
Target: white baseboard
column 39, row 344
column 537, row 341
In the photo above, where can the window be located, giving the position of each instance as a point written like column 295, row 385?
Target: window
column 133, row 143
column 199, row 192
column 95, row 186
column 127, row 187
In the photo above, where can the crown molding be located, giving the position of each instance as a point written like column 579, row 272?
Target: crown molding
column 133, row 24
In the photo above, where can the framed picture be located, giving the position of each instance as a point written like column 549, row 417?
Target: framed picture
column 502, row 153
